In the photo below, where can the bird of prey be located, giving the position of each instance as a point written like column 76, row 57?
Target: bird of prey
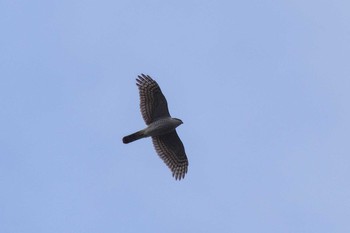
column 160, row 126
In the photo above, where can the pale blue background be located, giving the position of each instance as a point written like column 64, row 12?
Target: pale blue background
column 263, row 88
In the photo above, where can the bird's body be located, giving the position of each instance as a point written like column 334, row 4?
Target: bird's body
column 157, row 128
column 160, row 126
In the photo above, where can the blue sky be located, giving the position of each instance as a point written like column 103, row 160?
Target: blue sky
column 263, row 89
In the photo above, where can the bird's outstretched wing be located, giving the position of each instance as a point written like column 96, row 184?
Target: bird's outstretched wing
column 171, row 150
column 152, row 101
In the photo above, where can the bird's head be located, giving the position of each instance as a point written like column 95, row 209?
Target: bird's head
column 178, row 121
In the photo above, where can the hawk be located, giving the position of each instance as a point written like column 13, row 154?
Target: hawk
column 160, row 126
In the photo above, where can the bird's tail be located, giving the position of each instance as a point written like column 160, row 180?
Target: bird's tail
column 133, row 137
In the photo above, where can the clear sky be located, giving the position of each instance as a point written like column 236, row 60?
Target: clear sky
column 263, row 88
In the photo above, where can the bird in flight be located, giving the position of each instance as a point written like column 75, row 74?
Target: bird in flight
column 160, row 126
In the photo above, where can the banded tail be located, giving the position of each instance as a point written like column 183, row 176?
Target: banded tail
column 133, row 137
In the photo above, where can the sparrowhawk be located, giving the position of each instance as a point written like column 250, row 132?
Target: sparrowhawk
column 160, row 126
